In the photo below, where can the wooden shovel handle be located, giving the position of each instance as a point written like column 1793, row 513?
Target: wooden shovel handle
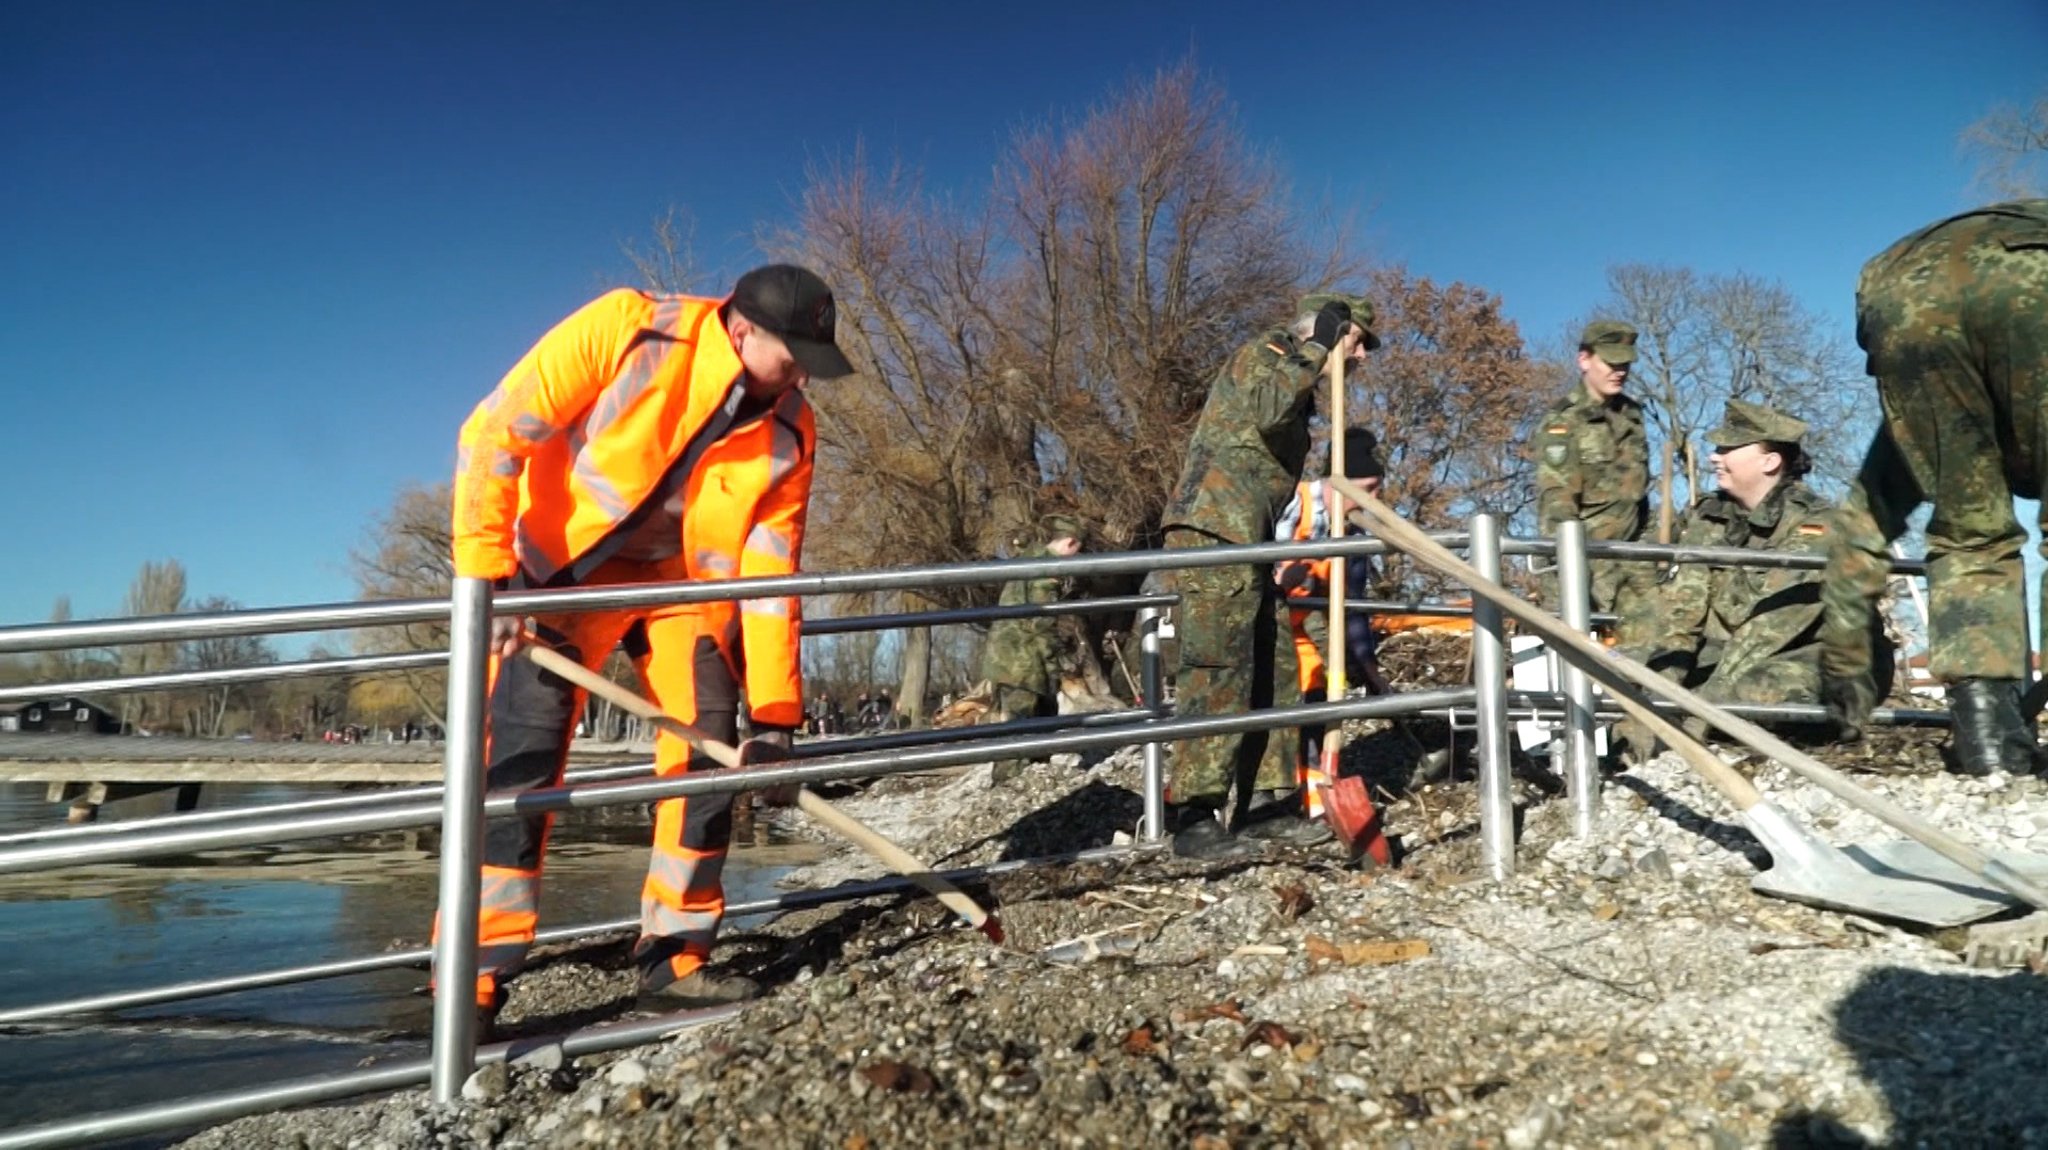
column 1616, row 672
column 862, row 835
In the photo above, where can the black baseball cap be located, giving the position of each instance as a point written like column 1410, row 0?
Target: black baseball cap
column 795, row 304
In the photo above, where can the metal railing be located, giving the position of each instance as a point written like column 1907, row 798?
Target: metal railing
column 460, row 807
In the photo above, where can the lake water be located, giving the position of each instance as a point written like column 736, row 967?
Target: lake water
column 106, row 928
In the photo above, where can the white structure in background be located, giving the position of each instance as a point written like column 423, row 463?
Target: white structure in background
column 1533, row 668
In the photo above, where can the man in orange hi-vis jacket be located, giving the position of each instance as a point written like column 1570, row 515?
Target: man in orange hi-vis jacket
column 645, row 439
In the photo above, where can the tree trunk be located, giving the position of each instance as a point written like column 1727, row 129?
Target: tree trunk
column 1692, row 471
column 917, row 674
column 1664, row 476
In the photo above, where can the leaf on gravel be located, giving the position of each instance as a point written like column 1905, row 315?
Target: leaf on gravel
column 855, row 1141
column 1295, row 900
column 1228, row 1008
column 1141, row 1041
column 1606, row 912
column 1366, row 953
column 900, row 1077
column 1208, row 1141
column 1268, row 1034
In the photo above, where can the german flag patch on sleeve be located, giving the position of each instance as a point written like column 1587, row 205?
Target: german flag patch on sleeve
column 1812, row 529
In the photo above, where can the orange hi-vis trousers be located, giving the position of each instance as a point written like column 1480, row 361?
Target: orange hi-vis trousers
column 684, row 658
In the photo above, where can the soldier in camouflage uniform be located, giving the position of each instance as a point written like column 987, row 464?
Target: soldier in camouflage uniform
column 1593, row 463
column 1954, row 320
column 1744, row 634
column 1021, row 658
column 1242, row 465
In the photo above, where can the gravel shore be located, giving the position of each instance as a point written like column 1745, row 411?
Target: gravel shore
column 1629, row 990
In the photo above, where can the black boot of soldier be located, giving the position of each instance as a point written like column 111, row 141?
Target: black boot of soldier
column 1202, row 835
column 1987, row 733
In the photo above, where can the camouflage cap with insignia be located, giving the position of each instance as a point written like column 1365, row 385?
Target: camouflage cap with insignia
column 1613, row 341
column 1743, row 422
column 1361, row 311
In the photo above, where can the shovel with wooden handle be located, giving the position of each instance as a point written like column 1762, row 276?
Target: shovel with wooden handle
column 1347, row 803
column 820, row 811
column 1935, row 879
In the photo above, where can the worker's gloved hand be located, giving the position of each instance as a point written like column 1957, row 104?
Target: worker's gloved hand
column 1331, row 321
column 1294, row 576
column 508, row 634
column 770, row 745
column 1849, row 702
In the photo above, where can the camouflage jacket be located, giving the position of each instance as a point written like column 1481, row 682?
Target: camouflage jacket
column 1740, row 616
column 1593, row 463
column 1251, row 441
column 1017, row 648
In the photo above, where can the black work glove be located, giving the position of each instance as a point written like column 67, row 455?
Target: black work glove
column 1849, row 702
column 1331, row 321
column 1294, row 576
column 770, row 745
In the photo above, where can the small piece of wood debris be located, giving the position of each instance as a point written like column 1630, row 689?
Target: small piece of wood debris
column 1366, row 953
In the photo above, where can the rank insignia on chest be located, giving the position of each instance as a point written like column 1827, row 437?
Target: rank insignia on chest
column 1555, row 453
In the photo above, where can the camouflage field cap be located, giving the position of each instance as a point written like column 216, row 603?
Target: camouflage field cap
column 1057, row 526
column 1743, row 422
column 1611, row 340
column 1361, row 311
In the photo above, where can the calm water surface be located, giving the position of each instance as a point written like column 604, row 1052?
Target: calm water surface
column 122, row 927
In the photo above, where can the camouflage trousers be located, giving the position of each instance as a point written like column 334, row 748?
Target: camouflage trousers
column 1234, row 657
column 1793, row 678
column 1019, row 664
column 1957, row 336
column 1626, row 589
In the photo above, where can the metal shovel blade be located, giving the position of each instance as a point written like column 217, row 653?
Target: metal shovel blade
column 1903, row 881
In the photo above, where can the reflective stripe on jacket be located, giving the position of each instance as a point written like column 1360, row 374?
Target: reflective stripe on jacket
column 585, row 428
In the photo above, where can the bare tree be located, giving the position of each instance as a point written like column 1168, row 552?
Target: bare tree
column 1705, row 339
column 2009, row 147
column 408, row 553
column 1451, row 384
column 1047, row 349
column 158, row 589
column 667, row 260
column 70, row 663
column 207, row 709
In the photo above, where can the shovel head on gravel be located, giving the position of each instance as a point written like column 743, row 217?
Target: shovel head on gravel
column 1903, row 881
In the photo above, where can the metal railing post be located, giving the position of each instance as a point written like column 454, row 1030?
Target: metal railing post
column 1489, row 678
column 1575, row 589
column 1153, row 682
column 462, row 840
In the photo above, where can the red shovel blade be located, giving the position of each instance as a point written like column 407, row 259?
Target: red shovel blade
column 1348, row 808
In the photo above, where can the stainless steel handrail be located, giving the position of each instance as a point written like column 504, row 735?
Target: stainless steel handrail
column 813, row 749
column 426, row 812
column 280, row 620
column 194, row 1112
column 431, row 660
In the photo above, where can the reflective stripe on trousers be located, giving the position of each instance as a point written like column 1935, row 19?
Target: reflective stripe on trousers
column 687, row 671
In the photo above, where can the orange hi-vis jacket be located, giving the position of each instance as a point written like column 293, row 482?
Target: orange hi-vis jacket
column 1308, row 518
column 588, row 426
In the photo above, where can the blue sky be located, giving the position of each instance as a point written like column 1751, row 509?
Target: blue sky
column 261, row 259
